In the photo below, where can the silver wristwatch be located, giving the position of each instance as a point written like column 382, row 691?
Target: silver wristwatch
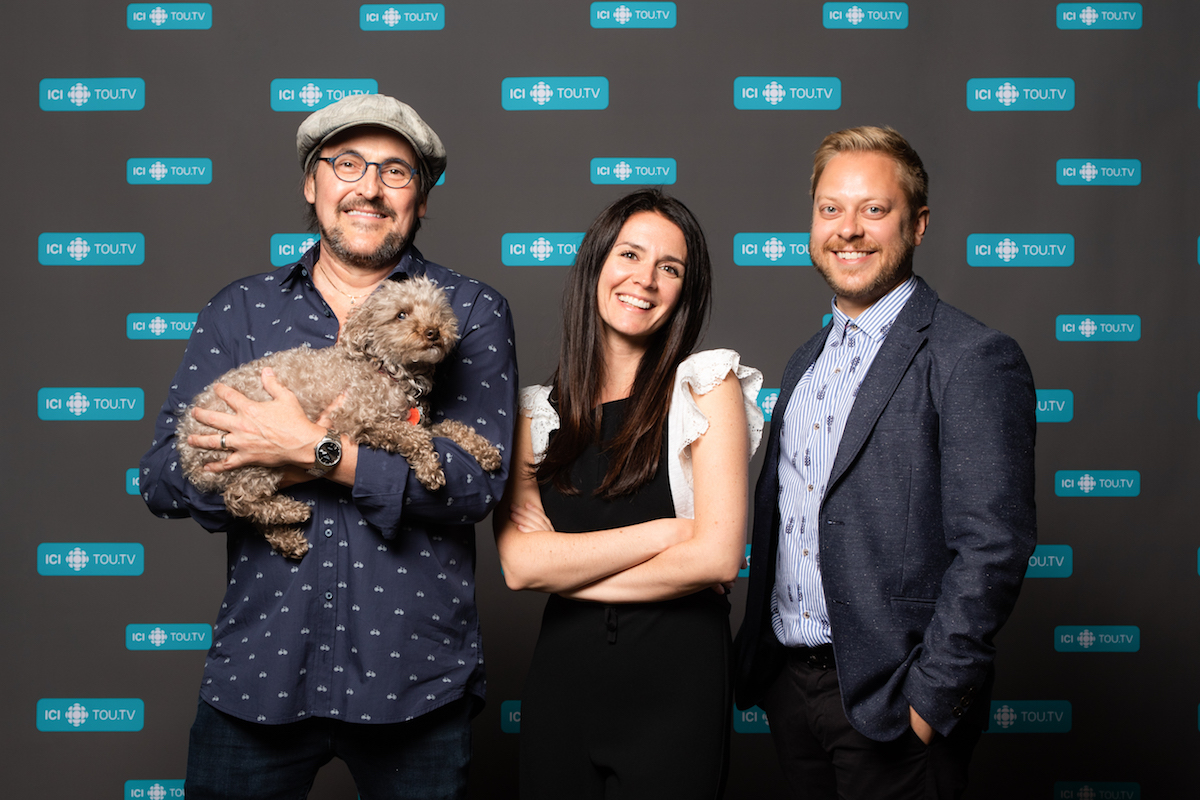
column 327, row 453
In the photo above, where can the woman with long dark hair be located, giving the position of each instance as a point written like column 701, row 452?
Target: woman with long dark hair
column 627, row 504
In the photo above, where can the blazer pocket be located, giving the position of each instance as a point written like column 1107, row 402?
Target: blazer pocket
column 911, row 613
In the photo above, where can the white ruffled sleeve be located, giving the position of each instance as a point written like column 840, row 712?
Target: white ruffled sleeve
column 699, row 374
column 535, row 404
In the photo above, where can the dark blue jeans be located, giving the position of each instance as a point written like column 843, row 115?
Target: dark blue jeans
column 423, row 759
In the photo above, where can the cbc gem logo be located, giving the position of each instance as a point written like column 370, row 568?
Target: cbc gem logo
column 786, row 93
column 1099, row 16
column 1055, row 405
column 1051, row 561
column 90, row 558
column 91, row 403
column 196, row 636
column 1098, row 327
column 101, row 249
column 510, row 716
column 149, row 171
column 633, row 15
column 92, row 94
column 554, row 94
column 407, row 17
column 1097, row 638
column 1098, row 483
column 90, row 714
column 286, row 248
column 159, row 326
column 1020, row 94
column 532, row 249
column 309, row 94
column 771, row 249
column 1020, row 249
column 1030, row 716
column 654, row 171
column 752, row 720
column 865, row 15
column 1098, row 172
column 153, row 790
column 168, row 16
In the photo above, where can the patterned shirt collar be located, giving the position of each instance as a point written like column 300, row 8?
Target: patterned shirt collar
column 877, row 320
column 411, row 263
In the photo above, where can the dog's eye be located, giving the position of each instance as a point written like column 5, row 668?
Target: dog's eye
column 402, row 315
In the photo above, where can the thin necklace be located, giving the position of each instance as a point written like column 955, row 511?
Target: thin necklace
column 353, row 297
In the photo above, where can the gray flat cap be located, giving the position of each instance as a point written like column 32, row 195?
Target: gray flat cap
column 371, row 109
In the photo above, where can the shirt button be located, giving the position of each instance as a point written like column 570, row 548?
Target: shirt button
column 836, row 370
column 804, row 551
column 329, row 595
column 328, row 533
column 816, row 426
column 810, row 487
column 805, row 615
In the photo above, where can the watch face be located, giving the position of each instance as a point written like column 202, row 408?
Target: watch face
column 329, row 453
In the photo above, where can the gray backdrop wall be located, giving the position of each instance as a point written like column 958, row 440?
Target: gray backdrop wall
column 1059, row 138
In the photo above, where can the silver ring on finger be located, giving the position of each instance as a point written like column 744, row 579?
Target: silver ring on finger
column 223, row 435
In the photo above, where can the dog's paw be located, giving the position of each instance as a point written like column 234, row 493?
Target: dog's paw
column 431, row 475
column 289, row 543
column 489, row 459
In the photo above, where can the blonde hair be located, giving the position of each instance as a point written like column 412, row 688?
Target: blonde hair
column 886, row 141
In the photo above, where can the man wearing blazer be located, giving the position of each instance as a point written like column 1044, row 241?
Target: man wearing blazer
column 894, row 516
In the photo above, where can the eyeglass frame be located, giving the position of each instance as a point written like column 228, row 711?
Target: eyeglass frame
column 367, row 165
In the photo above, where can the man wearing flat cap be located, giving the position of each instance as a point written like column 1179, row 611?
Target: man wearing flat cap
column 368, row 648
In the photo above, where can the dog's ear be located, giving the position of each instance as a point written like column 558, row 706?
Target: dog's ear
column 356, row 333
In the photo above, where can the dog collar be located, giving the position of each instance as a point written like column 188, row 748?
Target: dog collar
column 414, row 415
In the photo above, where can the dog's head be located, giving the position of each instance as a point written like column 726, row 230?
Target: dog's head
column 405, row 326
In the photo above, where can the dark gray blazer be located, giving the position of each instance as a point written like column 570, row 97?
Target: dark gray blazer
column 926, row 526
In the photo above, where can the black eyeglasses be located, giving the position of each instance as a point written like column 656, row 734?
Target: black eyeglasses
column 350, row 167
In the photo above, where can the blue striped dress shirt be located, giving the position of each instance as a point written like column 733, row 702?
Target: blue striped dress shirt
column 809, row 437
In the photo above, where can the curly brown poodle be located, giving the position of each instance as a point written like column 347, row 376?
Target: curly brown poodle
column 382, row 366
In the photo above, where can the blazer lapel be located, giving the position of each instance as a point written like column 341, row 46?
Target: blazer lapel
column 901, row 345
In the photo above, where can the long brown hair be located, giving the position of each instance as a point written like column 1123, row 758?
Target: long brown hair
column 634, row 453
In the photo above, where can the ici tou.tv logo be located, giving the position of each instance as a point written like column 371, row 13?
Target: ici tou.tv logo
column 406, row 17
column 1098, row 483
column 153, row 790
column 86, row 249
column 554, row 93
column 168, row 16
column 90, row 558
column 91, row 403
column 1020, row 94
column 1099, row 16
column 92, row 94
column 633, row 15
column 533, row 249
column 309, row 94
column 1098, row 327
column 91, row 714
column 1030, row 716
column 865, row 15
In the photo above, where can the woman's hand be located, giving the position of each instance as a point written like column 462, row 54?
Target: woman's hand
column 530, row 517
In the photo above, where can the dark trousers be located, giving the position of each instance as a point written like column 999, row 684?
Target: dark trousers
column 824, row 758
column 424, row 759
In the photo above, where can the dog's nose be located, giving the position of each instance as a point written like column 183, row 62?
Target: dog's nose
column 432, row 334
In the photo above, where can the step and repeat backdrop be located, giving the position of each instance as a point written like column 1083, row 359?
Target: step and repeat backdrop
column 149, row 156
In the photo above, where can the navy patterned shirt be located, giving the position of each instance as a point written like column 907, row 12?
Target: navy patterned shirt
column 809, row 437
column 377, row 623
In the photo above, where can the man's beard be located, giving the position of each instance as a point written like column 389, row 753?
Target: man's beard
column 889, row 276
column 386, row 254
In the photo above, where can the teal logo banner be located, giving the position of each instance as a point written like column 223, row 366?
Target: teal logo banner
column 744, row 572
column 99, row 249
column 1098, row 327
column 766, row 401
column 752, row 720
column 1030, row 716
column 787, row 93
column 133, row 482
column 90, row 714
column 159, row 326
column 309, row 94
column 771, row 249
column 168, row 637
column 1097, row 790
column 546, row 249
column 90, row 558
column 1051, row 561
column 633, row 15
column 91, row 403
column 1055, row 405
column 1099, row 16
column 510, row 716
column 1020, row 250
column 1098, row 483
column 150, row 171
column 1020, row 94
column 554, row 93
column 1098, row 172
column 1097, row 638
column 865, row 15
column 92, row 94
column 654, row 171
column 286, row 248
column 168, row 16
column 406, row 17
column 154, row 790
